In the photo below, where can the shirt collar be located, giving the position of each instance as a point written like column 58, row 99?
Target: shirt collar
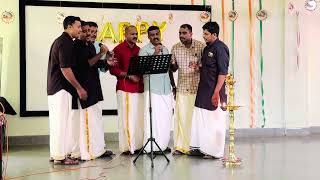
column 213, row 43
column 192, row 44
column 67, row 35
column 151, row 46
column 127, row 44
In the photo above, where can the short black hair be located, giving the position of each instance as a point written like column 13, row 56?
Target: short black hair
column 92, row 24
column 212, row 27
column 83, row 23
column 128, row 27
column 69, row 21
column 186, row 26
column 151, row 28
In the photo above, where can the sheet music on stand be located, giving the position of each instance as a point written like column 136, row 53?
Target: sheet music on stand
column 141, row 65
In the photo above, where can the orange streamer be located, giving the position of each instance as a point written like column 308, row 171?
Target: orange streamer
column 223, row 19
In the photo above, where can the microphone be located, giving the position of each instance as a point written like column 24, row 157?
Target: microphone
column 161, row 49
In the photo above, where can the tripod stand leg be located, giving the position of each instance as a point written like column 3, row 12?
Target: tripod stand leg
column 134, row 161
column 152, row 153
column 162, row 151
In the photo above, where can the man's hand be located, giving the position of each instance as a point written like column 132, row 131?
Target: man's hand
column 134, row 78
column 157, row 49
column 173, row 61
column 82, row 94
column 111, row 61
column 215, row 99
column 103, row 49
column 174, row 92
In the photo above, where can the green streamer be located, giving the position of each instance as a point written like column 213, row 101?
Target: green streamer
column 261, row 71
column 232, row 42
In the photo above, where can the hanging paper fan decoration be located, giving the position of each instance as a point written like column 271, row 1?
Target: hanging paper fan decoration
column 291, row 8
column 262, row 15
column 139, row 19
column 205, row 17
column 60, row 17
column 7, row 17
column 310, row 5
column 232, row 15
column 170, row 18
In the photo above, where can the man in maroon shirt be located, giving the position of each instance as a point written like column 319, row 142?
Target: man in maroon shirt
column 129, row 94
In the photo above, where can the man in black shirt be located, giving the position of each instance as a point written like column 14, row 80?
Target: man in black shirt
column 209, row 116
column 61, row 84
column 92, row 144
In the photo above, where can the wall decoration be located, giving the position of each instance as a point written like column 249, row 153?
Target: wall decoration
column 7, row 17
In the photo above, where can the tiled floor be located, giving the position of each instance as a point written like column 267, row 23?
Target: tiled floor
column 284, row 158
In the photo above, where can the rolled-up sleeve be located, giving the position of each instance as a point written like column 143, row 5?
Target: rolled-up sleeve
column 223, row 60
column 66, row 60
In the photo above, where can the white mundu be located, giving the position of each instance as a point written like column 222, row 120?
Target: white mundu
column 64, row 126
column 162, row 112
column 208, row 131
column 92, row 144
column 183, row 121
column 130, row 114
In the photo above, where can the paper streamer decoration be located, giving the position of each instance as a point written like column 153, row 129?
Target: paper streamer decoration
column 223, row 20
column 298, row 41
column 292, row 10
column 262, row 15
column 232, row 15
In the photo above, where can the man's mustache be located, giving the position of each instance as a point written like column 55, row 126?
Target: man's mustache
column 156, row 39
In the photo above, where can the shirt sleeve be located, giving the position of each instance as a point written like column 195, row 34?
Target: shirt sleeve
column 223, row 60
column 165, row 50
column 66, row 60
column 143, row 52
column 173, row 53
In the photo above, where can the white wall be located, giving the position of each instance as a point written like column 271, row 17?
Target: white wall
column 290, row 93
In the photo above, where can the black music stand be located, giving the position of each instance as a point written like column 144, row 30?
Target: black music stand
column 149, row 65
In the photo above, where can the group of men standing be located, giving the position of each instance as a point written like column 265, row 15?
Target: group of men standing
column 73, row 79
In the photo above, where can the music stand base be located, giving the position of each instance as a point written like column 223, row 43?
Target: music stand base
column 152, row 155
